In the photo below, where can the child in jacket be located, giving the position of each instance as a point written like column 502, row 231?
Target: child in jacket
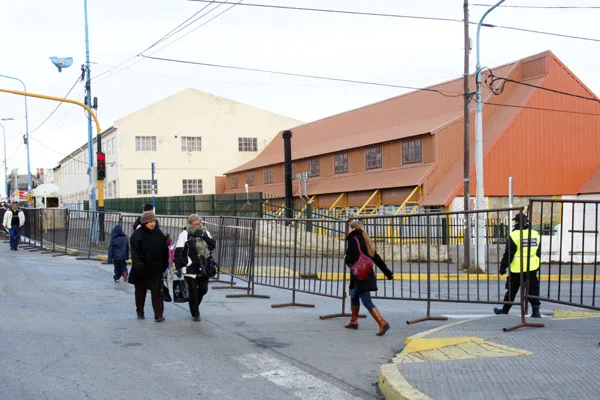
column 118, row 252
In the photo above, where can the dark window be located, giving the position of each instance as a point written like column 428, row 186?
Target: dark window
column 268, row 175
column 314, row 167
column 247, row 144
column 340, row 163
column 233, row 181
column 411, row 151
column 250, row 178
column 373, row 155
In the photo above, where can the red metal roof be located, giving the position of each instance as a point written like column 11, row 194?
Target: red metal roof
column 592, row 185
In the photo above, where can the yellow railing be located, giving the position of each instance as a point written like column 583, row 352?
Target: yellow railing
column 368, row 203
column 393, row 233
column 303, row 210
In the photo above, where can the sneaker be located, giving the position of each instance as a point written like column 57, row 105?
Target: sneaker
column 117, row 281
column 140, row 316
column 161, row 319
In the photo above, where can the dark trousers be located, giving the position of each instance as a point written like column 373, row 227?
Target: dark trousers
column 155, row 295
column 197, row 287
column 120, row 268
column 513, row 283
column 15, row 236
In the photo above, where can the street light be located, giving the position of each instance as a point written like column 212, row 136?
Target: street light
column 5, row 166
column 480, row 200
column 26, row 131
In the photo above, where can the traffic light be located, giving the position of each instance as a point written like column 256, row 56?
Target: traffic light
column 101, row 165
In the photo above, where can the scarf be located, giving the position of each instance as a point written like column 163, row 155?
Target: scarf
column 201, row 246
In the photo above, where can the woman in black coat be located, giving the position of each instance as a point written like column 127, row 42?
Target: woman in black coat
column 360, row 290
column 149, row 260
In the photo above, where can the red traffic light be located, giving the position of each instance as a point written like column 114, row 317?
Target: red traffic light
column 101, row 157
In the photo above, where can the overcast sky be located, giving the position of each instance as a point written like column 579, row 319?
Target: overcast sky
column 379, row 49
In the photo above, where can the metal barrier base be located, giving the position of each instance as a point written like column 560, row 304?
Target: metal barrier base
column 427, row 318
column 258, row 296
column 344, row 314
column 524, row 324
column 293, row 304
column 220, row 281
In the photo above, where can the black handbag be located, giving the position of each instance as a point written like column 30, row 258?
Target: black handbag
column 165, row 292
column 181, row 292
column 207, row 267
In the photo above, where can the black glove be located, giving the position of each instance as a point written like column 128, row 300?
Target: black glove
column 389, row 276
column 201, row 234
column 502, row 271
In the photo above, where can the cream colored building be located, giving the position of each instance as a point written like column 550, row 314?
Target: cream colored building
column 192, row 137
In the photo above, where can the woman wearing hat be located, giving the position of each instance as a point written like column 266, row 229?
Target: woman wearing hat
column 149, row 259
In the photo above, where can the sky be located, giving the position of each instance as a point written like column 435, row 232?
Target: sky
column 400, row 51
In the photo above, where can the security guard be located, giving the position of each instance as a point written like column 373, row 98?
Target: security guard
column 525, row 245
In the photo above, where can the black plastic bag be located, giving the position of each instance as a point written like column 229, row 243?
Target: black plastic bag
column 165, row 292
column 180, row 291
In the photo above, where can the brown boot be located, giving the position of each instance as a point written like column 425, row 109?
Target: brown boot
column 353, row 324
column 383, row 325
column 125, row 277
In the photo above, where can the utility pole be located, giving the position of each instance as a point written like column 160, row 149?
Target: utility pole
column 467, row 156
column 85, row 74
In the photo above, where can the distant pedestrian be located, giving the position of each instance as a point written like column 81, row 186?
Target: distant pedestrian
column 149, row 259
column 137, row 222
column 118, row 252
column 193, row 249
column 525, row 247
column 14, row 219
column 360, row 290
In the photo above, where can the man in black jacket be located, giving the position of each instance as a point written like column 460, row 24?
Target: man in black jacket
column 522, row 255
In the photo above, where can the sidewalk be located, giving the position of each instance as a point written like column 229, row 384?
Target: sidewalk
column 474, row 359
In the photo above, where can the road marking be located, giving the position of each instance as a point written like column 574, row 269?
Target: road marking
column 303, row 384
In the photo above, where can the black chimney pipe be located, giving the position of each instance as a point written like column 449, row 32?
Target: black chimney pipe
column 287, row 163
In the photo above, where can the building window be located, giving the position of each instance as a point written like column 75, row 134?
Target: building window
column 145, row 143
column 314, row 167
column 189, row 143
column 268, row 174
column 233, row 181
column 144, row 186
column 340, row 163
column 373, row 156
column 250, row 178
column 411, row 151
column 192, row 186
column 247, row 144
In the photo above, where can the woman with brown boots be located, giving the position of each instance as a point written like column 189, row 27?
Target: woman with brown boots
column 360, row 290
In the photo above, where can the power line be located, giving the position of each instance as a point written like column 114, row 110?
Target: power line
column 53, row 111
column 371, row 14
column 541, row 109
column 491, row 79
column 304, row 76
column 541, row 7
column 59, row 153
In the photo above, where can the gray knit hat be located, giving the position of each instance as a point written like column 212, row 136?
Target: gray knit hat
column 148, row 216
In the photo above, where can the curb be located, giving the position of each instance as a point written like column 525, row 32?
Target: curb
column 392, row 384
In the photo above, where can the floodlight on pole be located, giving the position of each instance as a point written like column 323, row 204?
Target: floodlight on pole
column 62, row 62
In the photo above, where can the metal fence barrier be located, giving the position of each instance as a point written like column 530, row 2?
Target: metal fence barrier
column 425, row 252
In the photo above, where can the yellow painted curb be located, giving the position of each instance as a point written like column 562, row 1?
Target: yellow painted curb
column 334, row 276
column 394, row 385
column 569, row 314
column 105, row 259
column 61, row 249
column 415, row 345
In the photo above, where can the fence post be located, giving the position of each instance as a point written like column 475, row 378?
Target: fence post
column 428, row 316
column 233, row 263
column 92, row 230
column 294, row 273
column 53, row 212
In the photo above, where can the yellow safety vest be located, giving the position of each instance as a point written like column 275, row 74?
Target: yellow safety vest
column 527, row 247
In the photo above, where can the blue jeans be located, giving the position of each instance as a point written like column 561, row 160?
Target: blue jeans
column 120, row 268
column 364, row 296
column 15, row 236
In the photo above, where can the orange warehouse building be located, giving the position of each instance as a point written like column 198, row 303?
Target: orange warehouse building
column 407, row 151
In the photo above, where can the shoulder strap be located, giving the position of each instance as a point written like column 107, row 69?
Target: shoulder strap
column 358, row 244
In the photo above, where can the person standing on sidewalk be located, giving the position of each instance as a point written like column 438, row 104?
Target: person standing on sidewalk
column 14, row 219
column 521, row 245
column 360, row 290
column 118, row 252
column 149, row 259
column 194, row 245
